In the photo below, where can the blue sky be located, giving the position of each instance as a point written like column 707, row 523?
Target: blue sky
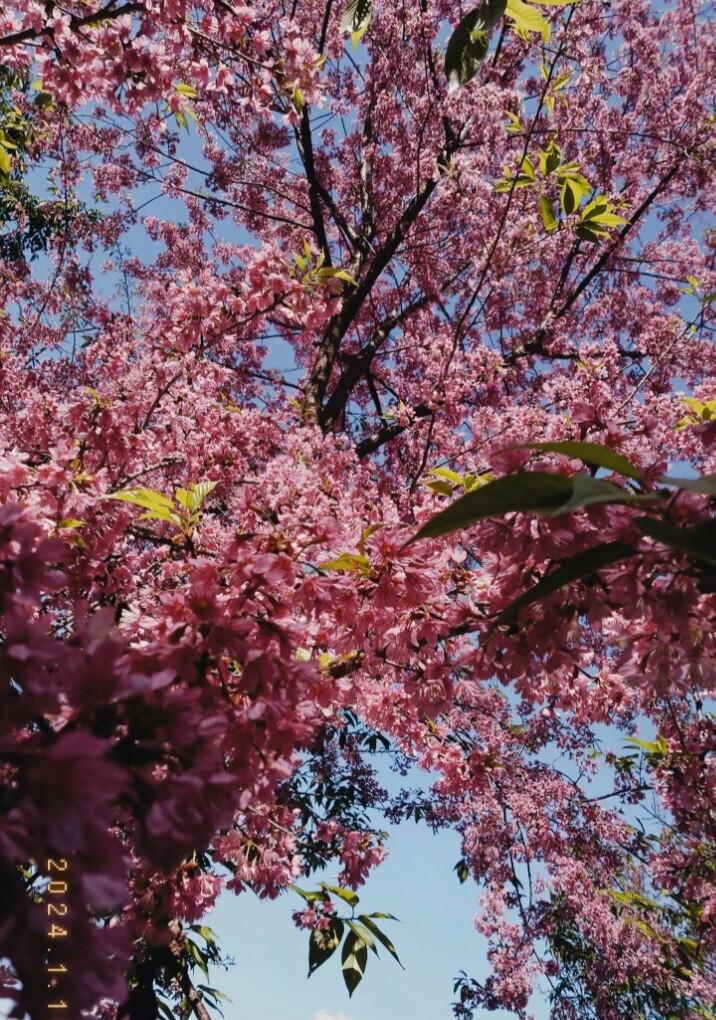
column 435, row 940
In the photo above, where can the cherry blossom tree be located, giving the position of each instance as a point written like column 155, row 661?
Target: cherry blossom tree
column 357, row 396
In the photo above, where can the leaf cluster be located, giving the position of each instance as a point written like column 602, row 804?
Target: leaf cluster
column 552, row 494
column 361, row 934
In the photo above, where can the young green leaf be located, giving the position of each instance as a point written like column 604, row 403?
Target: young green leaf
column 452, row 476
column 162, row 1006
column 355, row 19
column 147, row 498
column 588, row 491
column 197, row 957
column 570, row 195
column 214, row 993
column 467, row 47
column 600, row 212
column 527, row 19
column 345, row 894
column 207, row 933
column 161, row 515
column 439, row 487
column 347, row 561
column 658, row 747
column 549, row 219
column 193, row 498
column 591, row 233
column 319, row 895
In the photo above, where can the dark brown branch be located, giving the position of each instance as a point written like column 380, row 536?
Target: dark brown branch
column 607, row 254
column 358, row 365
column 340, row 323
column 104, row 14
column 192, row 996
column 305, row 148
column 388, row 432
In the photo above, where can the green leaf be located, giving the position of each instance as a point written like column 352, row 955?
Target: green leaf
column 527, row 19
column 573, row 569
column 336, row 274
column 311, row 897
column 588, row 491
column 186, row 90
column 538, row 491
column 570, row 195
column 658, row 747
column 550, row 158
column 526, row 170
column 193, row 497
column 526, row 491
column 366, row 533
column 514, row 125
column 161, row 515
column 593, row 454
column 207, row 933
column 452, row 476
column 355, row 19
column 474, row 481
column 323, row 944
column 547, row 213
column 698, row 541
column 592, row 234
column 147, row 498
column 347, row 561
column 439, row 487
column 467, row 47
column 361, row 932
column 706, row 484
column 354, row 958
column 214, row 993
column 603, row 219
column 345, row 894
column 165, row 1010
column 196, row 955
column 381, row 936
column 463, row 872
column 5, row 161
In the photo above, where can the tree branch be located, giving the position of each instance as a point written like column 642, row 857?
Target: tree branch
column 340, row 323
column 305, row 147
column 388, row 432
column 358, row 364
column 192, row 996
column 607, row 254
column 104, row 14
